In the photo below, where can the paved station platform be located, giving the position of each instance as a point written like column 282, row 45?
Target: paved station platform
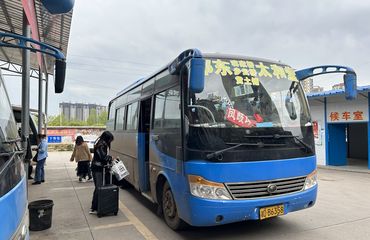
column 72, row 201
column 342, row 212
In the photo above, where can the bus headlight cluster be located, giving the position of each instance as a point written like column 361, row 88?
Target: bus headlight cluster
column 203, row 188
column 311, row 180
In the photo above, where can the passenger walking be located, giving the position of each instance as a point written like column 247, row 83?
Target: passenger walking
column 42, row 154
column 100, row 160
column 81, row 154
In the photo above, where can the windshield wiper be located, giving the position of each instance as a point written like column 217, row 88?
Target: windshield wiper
column 218, row 153
column 278, row 136
column 236, row 145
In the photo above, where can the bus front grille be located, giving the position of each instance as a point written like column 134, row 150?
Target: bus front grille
column 260, row 189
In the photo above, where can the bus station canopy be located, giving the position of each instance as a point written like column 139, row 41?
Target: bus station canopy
column 361, row 90
column 50, row 29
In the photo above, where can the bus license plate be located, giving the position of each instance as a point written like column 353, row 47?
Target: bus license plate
column 272, row 211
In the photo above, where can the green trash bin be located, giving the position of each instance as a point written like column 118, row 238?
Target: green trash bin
column 41, row 213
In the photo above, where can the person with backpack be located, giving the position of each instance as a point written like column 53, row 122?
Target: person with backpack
column 81, row 154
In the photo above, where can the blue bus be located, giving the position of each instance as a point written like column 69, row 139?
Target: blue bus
column 215, row 139
column 13, row 179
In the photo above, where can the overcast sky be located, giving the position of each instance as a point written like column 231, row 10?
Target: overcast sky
column 115, row 42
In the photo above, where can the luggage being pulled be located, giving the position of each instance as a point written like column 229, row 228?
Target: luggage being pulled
column 107, row 198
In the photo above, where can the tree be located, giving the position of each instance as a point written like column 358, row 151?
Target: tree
column 58, row 120
column 92, row 119
column 103, row 117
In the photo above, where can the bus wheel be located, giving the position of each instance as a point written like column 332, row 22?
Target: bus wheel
column 170, row 210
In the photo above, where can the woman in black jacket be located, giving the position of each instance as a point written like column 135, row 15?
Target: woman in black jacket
column 100, row 160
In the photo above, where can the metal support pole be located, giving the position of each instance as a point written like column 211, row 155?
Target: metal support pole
column 25, row 84
column 46, row 103
column 40, row 116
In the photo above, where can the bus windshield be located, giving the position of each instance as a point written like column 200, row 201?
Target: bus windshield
column 251, row 102
column 8, row 128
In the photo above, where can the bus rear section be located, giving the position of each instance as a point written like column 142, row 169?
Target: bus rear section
column 13, row 183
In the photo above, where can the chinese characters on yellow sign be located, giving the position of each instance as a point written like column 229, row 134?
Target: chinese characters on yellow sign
column 347, row 116
column 248, row 72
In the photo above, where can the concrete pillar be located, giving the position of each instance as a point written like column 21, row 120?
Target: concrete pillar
column 25, row 84
column 40, row 115
column 46, row 103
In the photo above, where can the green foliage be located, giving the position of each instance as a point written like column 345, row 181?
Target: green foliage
column 103, row 117
column 92, row 120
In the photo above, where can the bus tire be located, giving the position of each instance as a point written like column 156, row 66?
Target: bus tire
column 169, row 209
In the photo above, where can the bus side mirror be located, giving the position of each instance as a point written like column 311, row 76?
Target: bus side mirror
column 59, row 6
column 196, row 76
column 289, row 104
column 350, row 83
column 60, row 73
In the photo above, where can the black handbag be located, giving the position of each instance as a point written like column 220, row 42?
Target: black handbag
column 34, row 159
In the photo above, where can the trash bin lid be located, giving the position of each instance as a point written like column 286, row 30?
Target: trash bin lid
column 41, row 204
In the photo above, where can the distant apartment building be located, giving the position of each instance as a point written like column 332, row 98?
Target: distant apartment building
column 307, row 85
column 79, row 111
column 338, row 86
column 317, row 89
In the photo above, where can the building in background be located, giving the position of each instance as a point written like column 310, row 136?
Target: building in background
column 338, row 86
column 307, row 85
column 79, row 111
column 316, row 89
column 341, row 128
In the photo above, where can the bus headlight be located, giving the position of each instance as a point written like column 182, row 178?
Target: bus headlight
column 311, row 180
column 203, row 188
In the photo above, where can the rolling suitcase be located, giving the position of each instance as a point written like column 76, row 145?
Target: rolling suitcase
column 107, row 198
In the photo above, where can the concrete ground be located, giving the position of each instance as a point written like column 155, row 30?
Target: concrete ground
column 342, row 211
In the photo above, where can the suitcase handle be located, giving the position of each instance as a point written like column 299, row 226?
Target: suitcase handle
column 110, row 177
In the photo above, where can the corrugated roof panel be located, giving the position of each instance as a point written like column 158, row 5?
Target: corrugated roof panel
column 53, row 30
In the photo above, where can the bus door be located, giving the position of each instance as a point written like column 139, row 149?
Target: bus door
column 143, row 144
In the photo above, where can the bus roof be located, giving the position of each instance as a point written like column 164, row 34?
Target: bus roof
column 205, row 55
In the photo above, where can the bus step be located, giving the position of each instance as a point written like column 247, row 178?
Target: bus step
column 148, row 196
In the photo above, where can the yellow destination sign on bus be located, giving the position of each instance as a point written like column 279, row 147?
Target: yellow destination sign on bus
column 248, row 72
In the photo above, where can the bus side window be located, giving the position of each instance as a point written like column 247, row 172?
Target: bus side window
column 167, row 121
column 172, row 113
column 131, row 119
column 120, row 115
column 158, row 110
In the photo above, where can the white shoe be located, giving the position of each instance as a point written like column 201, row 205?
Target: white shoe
column 92, row 211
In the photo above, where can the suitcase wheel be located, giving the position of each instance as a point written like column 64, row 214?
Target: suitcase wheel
column 99, row 215
column 115, row 214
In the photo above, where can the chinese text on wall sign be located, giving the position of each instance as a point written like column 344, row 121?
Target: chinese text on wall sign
column 347, row 116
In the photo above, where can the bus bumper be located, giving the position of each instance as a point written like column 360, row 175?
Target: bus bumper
column 206, row 212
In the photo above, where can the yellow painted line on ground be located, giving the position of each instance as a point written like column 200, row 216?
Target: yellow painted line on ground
column 147, row 234
column 112, row 225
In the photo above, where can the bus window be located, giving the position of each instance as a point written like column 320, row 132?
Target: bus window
column 158, row 112
column 172, row 114
column 120, row 116
column 148, row 88
column 134, row 94
column 167, row 121
column 132, row 116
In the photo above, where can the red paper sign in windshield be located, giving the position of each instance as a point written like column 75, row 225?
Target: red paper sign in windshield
column 238, row 118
